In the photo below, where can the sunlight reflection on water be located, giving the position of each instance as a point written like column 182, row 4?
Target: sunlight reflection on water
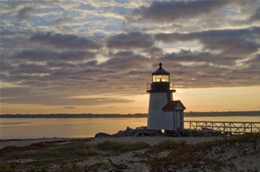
column 21, row 128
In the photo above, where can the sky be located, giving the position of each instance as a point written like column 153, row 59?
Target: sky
column 97, row 56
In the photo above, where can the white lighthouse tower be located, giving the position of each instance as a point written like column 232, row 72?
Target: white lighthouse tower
column 164, row 112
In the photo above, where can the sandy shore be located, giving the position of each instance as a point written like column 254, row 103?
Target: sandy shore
column 150, row 140
column 242, row 156
column 154, row 140
column 26, row 142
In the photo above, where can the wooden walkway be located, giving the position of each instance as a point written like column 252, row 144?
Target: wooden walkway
column 228, row 128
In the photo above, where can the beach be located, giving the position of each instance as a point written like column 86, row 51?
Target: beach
column 159, row 153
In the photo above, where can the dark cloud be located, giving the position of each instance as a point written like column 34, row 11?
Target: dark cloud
column 256, row 59
column 51, row 67
column 62, row 20
column 127, row 73
column 154, row 51
column 65, row 41
column 5, row 66
column 256, row 15
column 25, row 12
column 130, row 40
column 30, row 69
column 237, row 41
column 12, row 92
column 37, row 55
column 200, row 57
column 254, row 62
column 60, row 64
column 91, row 63
column 16, row 95
column 203, row 70
column 206, row 75
column 126, row 60
column 168, row 11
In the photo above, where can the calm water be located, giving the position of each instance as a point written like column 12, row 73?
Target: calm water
column 21, row 128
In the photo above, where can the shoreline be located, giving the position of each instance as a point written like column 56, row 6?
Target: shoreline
column 28, row 141
column 135, row 115
column 139, row 154
column 92, row 140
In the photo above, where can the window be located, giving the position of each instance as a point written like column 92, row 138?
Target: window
column 160, row 78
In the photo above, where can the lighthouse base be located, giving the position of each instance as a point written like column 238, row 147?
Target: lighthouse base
column 165, row 121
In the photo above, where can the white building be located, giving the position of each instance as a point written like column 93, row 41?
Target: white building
column 164, row 112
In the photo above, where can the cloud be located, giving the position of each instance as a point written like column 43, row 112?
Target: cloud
column 63, row 50
column 236, row 41
column 127, row 73
column 256, row 15
column 207, row 75
column 65, row 41
column 254, row 62
column 154, row 51
column 168, row 11
column 30, row 69
column 25, row 12
column 38, row 55
column 60, row 64
column 200, row 57
column 130, row 40
column 5, row 66
column 125, row 60
column 62, row 20
column 23, row 95
column 11, row 92
column 69, row 107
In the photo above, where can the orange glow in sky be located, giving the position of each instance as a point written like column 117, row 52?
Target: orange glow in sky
column 98, row 56
column 200, row 100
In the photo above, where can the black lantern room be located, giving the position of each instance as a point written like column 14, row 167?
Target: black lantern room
column 161, row 81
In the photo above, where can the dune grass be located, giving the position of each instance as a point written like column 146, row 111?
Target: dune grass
column 183, row 155
column 63, row 156
column 38, row 159
column 61, row 152
column 179, row 155
column 116, row 147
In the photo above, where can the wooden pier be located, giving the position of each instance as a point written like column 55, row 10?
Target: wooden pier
column 214, row 128
column 227, row 128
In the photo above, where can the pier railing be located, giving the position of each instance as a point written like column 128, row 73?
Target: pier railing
column 224, row 127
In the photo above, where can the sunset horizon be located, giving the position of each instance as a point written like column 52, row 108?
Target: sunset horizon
column 98, row 57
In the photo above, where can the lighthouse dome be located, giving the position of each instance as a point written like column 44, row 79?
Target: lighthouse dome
column 160, row 71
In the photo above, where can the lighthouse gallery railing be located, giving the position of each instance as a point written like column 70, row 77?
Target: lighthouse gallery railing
column 172, row 86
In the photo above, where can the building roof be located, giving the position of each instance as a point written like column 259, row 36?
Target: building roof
column 160, row 71
column 171, row 105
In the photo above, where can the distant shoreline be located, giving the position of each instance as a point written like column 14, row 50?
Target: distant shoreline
column 187, row 114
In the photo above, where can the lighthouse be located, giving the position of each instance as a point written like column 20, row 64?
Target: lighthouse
column 164, row 113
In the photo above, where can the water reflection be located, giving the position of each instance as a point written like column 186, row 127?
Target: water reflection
column 21, row 128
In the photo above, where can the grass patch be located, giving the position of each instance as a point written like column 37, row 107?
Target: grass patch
column 8, row 167
column 121, row 147
column 183, row 155
column 166, row 145
column 196, row 157
column 62, row 152
column 45, row 157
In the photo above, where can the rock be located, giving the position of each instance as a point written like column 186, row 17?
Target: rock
column 144, row 133
column 128, row 132
column 101, row 134
column 141, row 128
